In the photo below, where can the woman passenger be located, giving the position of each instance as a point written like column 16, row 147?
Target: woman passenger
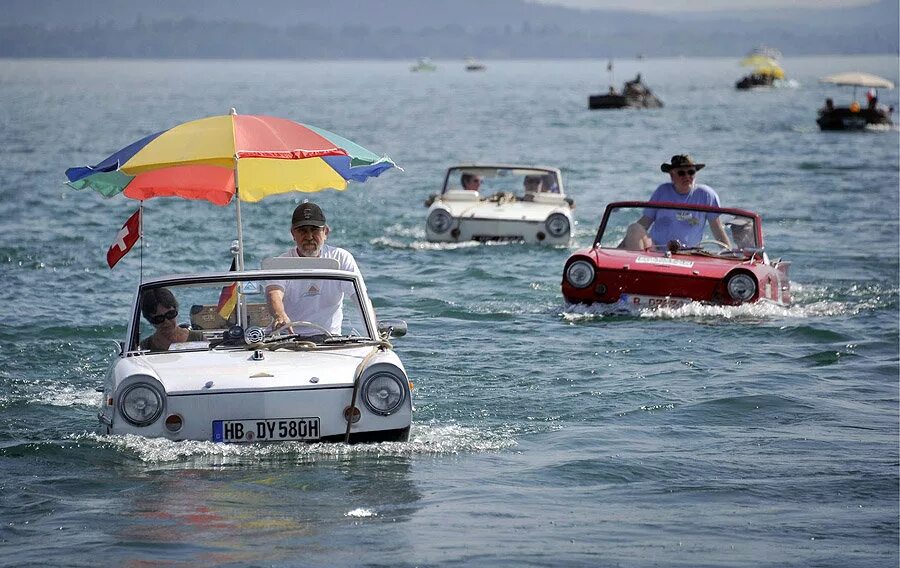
column 160, row 308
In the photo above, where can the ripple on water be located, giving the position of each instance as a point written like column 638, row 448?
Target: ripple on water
column 745, row 409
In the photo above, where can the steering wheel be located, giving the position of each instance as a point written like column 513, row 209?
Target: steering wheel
column 304, row 324
column 502, row 197
column 719, row 244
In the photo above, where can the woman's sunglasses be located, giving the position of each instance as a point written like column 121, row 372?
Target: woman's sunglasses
column 159, row 318
column 683, row 173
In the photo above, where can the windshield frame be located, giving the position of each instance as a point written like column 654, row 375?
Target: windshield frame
column 453, row 174
column 612, row 207
column 132, row 338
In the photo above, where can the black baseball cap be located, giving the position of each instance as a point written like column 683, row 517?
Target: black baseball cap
column 307, row 214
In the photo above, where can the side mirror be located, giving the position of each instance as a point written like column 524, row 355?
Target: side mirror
column 392, row 328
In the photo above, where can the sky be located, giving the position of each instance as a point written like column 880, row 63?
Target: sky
column 664, row 6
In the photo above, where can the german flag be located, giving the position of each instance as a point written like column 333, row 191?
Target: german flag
column 228, row 297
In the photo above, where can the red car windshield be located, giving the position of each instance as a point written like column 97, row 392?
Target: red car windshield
column 741, row 230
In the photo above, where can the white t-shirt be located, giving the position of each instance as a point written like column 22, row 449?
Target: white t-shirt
column 319, row 301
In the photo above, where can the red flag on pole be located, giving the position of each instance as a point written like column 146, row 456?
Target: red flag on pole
column 128, row 235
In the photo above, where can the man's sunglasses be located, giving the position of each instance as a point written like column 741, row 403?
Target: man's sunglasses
column 158, row 319
column 683, row 173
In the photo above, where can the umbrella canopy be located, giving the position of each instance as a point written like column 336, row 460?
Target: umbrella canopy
column 217, row 157
column 772, row 70
column 759, row 61
column 856, row 79
column 764, row 65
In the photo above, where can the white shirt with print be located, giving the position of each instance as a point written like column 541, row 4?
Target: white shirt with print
column 319, row 301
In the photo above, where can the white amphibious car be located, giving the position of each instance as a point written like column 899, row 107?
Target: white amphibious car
column 230, row 377
column 500, row 203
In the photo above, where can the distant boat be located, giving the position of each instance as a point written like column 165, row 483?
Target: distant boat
column 766, row 69
column 855, row 116
column 634, row 95
column 473, row 65
column 424, row 64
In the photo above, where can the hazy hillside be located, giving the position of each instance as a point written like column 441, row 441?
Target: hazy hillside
column 410, row 28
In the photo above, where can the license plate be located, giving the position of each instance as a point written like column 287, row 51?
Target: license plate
column 266, row 430
column 639, row 301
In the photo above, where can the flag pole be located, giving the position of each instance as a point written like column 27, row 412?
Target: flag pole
column 141, row 237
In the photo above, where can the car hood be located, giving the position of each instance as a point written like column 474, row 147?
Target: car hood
column 516, row 211
column 223, row 371
column 659, row 263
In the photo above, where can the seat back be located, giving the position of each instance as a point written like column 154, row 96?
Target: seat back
column 287, row 262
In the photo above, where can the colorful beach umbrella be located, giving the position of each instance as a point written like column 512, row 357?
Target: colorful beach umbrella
column 218, row 157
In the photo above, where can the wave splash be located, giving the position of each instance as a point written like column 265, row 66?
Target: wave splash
column 424, row 440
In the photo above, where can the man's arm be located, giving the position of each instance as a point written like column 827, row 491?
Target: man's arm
column 645, row 222
column 275, row 298
column 718, row 231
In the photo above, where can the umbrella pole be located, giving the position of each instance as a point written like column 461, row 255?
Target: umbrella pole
column 240, row 233
column 237, row 214
column 241, row 315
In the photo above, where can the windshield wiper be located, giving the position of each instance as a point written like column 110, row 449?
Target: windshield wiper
column 291, row 342
column 339, row 339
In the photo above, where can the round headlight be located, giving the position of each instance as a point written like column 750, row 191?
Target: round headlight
column 383, row 393
column 439, row 221
column 557, row 225
column 140, row 404
column 580, row 274
column 741, row 287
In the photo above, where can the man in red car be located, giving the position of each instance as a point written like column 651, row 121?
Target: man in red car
column 663, row 226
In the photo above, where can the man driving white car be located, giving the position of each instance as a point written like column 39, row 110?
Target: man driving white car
column 317, row 301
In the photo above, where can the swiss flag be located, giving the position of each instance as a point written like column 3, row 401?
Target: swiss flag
column 128, row 235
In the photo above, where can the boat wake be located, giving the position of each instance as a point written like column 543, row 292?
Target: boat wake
column 424, row 439
column 883, row 127
column 413, row 238
column 393, row 243
column 809, row 302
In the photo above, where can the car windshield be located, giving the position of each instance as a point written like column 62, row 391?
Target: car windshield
column 741, row 230
column 219, row 314
column 488, row 181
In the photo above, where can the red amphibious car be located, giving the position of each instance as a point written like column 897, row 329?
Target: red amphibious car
column 672, row 274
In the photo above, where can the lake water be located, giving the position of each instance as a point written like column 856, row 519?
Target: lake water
column 544, row 434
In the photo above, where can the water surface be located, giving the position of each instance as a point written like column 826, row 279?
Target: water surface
column 544, row 434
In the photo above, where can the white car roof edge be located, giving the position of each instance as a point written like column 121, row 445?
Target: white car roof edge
column 251, row 274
